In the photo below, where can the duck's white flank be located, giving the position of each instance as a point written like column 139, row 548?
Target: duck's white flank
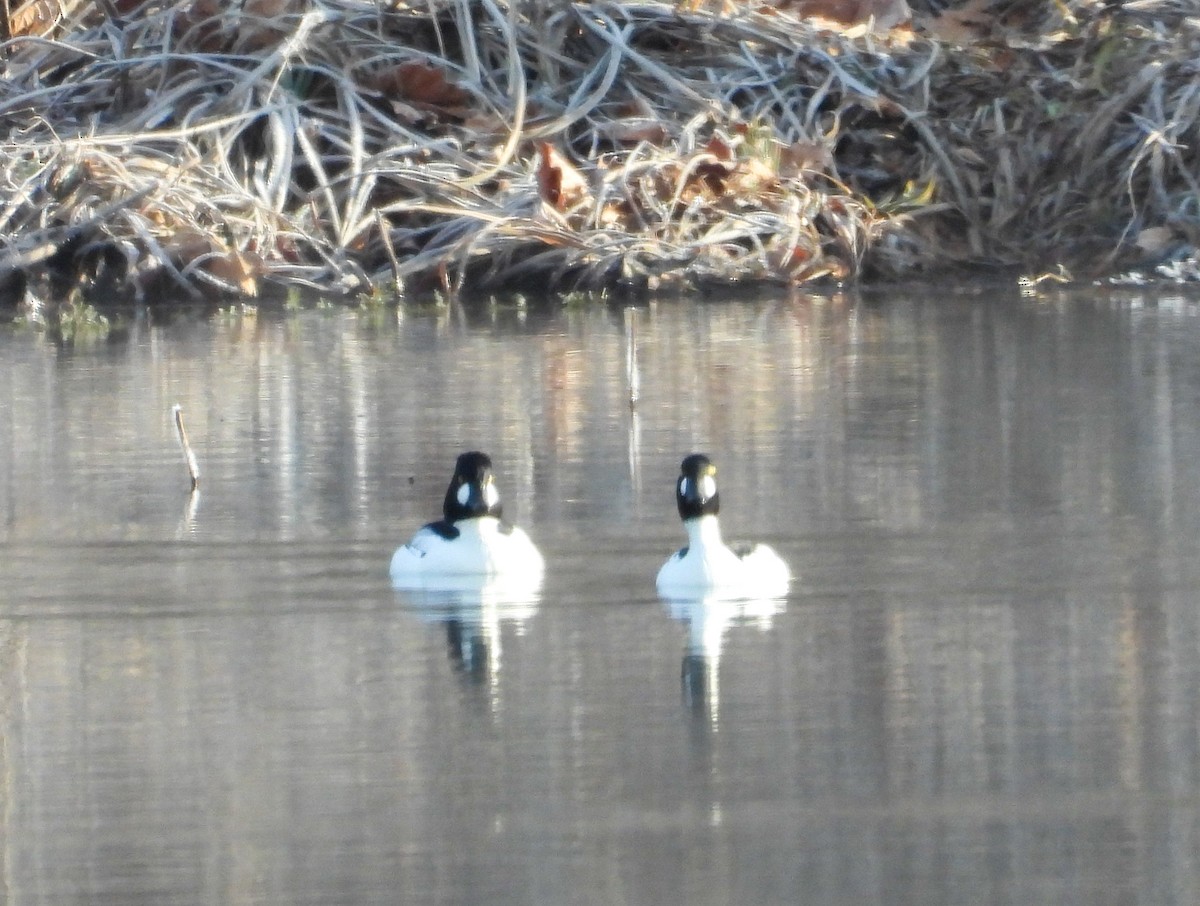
column 707, row 563
column 483, row 547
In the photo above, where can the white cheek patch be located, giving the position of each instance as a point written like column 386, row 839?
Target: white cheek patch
column 464, row 494
column 684, row 484
column 491, row 496
column 708, row 487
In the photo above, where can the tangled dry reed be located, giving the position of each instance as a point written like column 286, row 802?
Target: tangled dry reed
column 168, row 148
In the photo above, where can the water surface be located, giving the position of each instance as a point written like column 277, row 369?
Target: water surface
column 982, row 688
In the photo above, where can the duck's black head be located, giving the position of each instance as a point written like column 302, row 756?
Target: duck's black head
column 472, row 492
column 696, row 490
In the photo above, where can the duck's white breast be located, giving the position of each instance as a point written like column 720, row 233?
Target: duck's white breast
column 483, row 547
column 761, row 573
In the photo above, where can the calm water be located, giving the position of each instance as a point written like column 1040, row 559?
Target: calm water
column 983, row 688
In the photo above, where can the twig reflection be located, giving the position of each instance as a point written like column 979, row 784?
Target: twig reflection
column 187, row 522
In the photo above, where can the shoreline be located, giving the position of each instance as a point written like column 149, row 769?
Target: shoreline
column 473, row 146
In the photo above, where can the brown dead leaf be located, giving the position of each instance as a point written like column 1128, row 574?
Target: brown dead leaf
column 804, row 157
column 719, row 149
column 38, row 18
column 883, row 14
column 710, row 174
column 789, row 259
column 264, row 23
column 419, row 83
column 560, row 184
column 239, row 270
column 962, row 26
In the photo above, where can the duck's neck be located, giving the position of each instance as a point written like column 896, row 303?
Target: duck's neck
column 482, row 525
column 703, row 531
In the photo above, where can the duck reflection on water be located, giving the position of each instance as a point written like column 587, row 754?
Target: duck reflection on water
column 473, row 610
column 708, row 618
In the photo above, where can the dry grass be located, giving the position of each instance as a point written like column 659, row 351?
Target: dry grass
column 346, row 145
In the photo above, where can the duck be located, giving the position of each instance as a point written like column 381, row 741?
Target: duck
column 471, row 538
column 707, row 565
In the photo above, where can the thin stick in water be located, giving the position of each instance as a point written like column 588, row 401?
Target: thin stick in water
column 386, row 235
column 188, row 456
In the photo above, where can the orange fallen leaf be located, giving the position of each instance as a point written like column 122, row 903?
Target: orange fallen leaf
column 560, row 184
column 238, row 270
column 790, row 259
column 35, row 18
column 713, row 170
column 420, row 83
column 241, row 271
column 719, row 148
column 885, row 14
